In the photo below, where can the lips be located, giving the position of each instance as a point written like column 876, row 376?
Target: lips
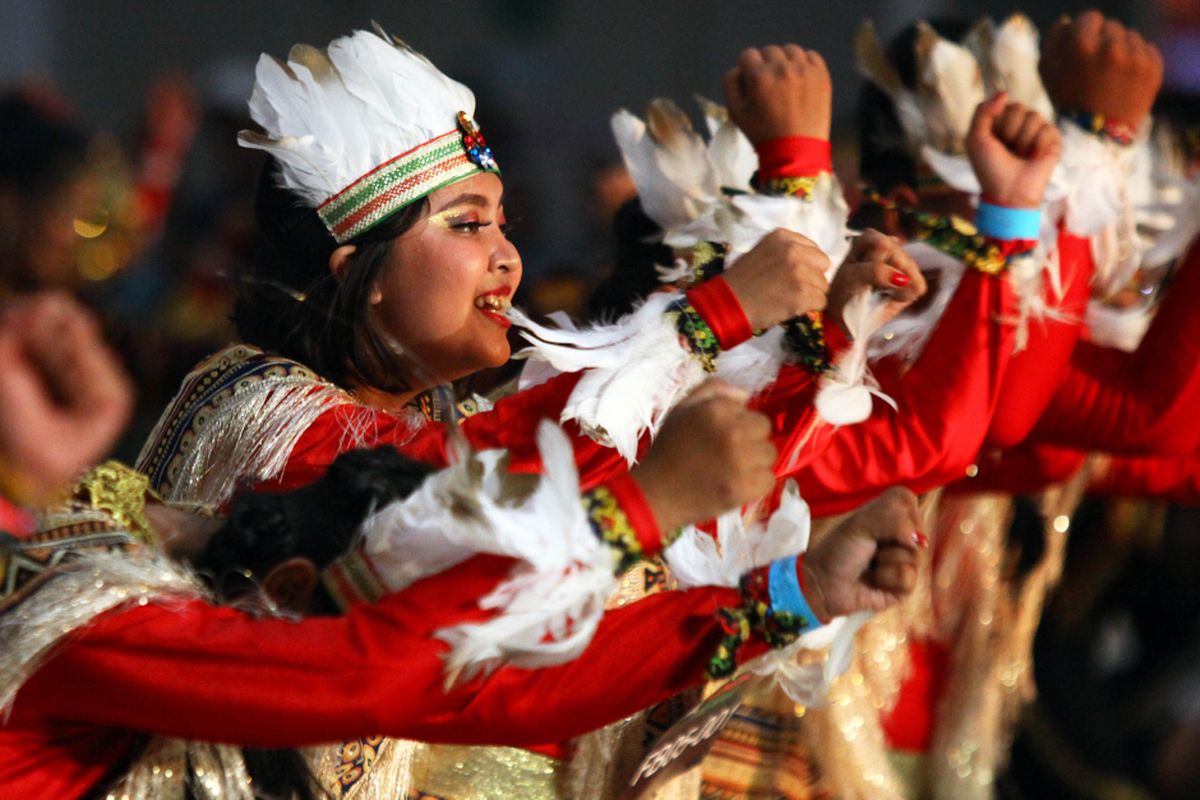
column 495, row 305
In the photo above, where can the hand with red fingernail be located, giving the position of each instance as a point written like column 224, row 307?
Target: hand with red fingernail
column 877, row 261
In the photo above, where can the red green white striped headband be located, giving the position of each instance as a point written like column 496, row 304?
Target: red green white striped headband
column 406, row 178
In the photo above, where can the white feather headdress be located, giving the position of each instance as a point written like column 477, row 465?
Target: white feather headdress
column 363, row 128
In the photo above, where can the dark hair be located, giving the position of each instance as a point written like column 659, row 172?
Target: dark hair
column 290, row 303
column 39, row 152
column 633, row 277
column 319, row 522
column 884, row 159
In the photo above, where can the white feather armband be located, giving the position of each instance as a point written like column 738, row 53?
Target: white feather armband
column 743, row 544
column 636, row 370
column 548, row 607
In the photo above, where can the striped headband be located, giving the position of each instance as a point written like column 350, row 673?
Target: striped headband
column 408, row 177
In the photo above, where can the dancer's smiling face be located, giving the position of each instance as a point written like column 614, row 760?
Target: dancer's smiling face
column 448, row 281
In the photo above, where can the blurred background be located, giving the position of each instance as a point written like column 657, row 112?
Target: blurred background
column 149, row 96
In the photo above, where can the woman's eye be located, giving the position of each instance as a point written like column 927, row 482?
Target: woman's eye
column 469, row 226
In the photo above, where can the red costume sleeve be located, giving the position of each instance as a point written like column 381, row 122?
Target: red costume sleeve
column 1143, row 402
column 511, row 424
column 1022, row 470
column 194, row 671
column 1175, row 479
column 945, row 401
column 1035, row 373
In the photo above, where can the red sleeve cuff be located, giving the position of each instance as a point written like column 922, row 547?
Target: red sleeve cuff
column 793, row 156
column 719, row 306
column 629, row 497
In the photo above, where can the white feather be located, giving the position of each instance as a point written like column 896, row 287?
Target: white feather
column 635, row 370
column 754, row 363
column 908, row 332
column 950, row 86
column 548, row 607
column 371, row 101
column 1089, row 194
column 844, row 396
column 742, row 544
column 1012, row 65
column 662, row 200
column 729, row 151
column 955, row 170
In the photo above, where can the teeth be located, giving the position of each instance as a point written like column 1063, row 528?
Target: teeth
column 494, row 303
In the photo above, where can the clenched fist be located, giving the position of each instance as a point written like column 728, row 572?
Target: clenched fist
column 780, row 91
column 1098, row 66
column 64, row 398
column 879, row 262
column 783, row 276
column 712, row 455
column 869, row 561
column 1013, row 150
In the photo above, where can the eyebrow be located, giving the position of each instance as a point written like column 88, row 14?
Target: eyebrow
column 466, row 199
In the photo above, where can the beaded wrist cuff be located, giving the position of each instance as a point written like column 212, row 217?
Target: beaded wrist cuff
column 958, row 238
column 804, row 341
column 612, row 526
column 762, row 612
column 695, row 334
column 1117, row 132
column 702, row 261
column 799, row 186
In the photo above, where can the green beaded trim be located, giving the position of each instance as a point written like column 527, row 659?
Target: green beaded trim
column 704, row 260
column 695, row 334
column 612, row 526
column 953, row 236
column 777, row 628
column 804, row 342
column 394, row 184
column 798, row 186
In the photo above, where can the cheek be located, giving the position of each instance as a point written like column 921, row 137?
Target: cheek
column 423, row 304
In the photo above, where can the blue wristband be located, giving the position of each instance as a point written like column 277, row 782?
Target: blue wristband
column 1007, row 224
column 783, row 583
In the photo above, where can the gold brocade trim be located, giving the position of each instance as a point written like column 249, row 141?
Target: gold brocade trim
column 120, row 491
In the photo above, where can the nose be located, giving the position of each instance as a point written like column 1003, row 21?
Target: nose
column 505, row 257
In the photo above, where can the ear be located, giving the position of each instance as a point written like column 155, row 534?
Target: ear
column 292, row 583
column 339, row 260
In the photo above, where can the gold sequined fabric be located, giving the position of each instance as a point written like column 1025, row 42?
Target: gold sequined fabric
column 120, row 491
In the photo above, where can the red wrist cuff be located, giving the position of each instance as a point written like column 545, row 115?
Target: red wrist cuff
column 719, row 306
column 791, row 156
column 629, row 497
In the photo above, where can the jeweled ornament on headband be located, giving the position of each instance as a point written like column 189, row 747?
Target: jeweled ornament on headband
column 363, row 128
